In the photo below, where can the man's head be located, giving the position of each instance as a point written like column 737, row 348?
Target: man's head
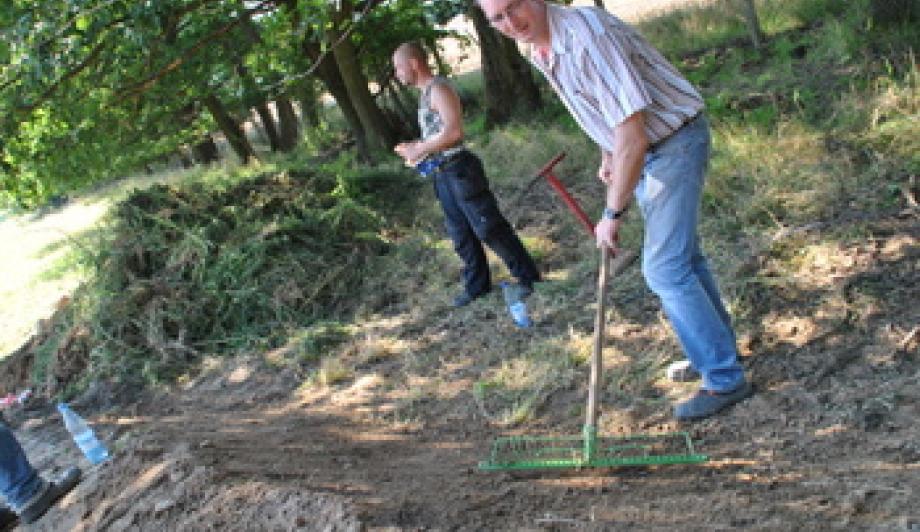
column 521, row 20
column 410, row 63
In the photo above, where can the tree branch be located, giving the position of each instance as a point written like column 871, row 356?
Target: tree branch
column 368, row 5
column 90, row 59
column 56, row 37
column 145, row 84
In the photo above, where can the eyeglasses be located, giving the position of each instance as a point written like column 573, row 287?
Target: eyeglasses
column 502, row 16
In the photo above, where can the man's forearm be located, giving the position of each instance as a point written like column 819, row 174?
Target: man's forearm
column 626, row 161
column 440, row 142
column 627, row 169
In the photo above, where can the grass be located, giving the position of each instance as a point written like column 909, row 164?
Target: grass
column 511, row 392
column 819, row 129
column 50, row 245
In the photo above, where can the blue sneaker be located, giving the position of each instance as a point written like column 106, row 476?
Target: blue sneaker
column 515, row 292
column 706, row 402
column 514, row 295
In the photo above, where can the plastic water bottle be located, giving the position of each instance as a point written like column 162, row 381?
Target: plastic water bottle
column 83, row 435
column 514, row 298
column 428, row 165
column 519, row 314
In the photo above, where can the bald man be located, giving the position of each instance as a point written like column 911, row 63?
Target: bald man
column 470, row 210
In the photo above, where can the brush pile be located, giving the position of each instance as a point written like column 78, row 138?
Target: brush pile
column 204, row 269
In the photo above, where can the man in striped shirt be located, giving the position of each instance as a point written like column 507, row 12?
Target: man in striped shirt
column 654, row 139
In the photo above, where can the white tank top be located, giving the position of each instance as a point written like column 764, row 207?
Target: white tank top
column 429, row 120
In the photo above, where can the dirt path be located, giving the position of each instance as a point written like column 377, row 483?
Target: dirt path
column 830, row 441
column 235, row 456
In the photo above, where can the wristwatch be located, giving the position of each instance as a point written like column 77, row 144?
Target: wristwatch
column 611, row 214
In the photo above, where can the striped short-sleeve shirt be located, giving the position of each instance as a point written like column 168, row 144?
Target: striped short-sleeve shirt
column 604, row 72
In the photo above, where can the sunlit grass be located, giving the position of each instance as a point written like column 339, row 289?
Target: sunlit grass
column 51, row 246
column 511, row 393
column 790, row 153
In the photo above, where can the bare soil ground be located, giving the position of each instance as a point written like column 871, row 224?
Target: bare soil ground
column 829, row 442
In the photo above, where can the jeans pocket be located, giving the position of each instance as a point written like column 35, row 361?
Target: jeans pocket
column 468, row 185
column 482, row 213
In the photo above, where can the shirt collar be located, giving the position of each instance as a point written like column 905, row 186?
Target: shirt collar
column 560, row 40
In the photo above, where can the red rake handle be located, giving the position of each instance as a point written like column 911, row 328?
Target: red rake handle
column 547, row 172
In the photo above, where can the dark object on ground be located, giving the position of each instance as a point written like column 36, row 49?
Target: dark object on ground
column 56, row 489
column 707, row 403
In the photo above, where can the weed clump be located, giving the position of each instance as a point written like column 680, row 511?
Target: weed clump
column 186, row 270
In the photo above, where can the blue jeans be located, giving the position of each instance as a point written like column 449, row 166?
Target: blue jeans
column 19, row 482
column 673, row 264
column 472, row 218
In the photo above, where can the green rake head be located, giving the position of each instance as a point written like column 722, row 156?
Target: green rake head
column 588, row 450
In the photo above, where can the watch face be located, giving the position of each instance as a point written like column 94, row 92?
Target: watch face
column 612, row 214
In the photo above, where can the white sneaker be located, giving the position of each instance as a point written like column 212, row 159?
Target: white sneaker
column 682, row 371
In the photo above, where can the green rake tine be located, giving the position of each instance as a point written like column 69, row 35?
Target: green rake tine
column 525, row 453
column 590, row 436
column 522, row 453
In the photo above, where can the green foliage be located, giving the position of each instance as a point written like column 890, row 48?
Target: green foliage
column 820, row 124
column 235, row 264
column 314, row 342
column 92, row 90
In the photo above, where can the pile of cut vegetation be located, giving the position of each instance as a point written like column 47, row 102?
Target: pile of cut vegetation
column 216, row 268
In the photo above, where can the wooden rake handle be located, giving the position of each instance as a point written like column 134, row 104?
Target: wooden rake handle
column 622, row 261
column 612, row 268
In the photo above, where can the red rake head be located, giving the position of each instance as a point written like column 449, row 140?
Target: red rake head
column 547, row 172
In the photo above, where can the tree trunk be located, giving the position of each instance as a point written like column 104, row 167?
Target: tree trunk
column 205, row 151
column 889, row 12
column 379, row 133
column 405, row 113
column 407, row 98
column 254, row 97
column 231, row 128
column 509, row 83
column 328, row 72
column 309, row 104
column 288, row 121
column 268, row 124
column 522, row 82
column 753, row 23
column 442, row 66
column 185, row 157
column 5, row 166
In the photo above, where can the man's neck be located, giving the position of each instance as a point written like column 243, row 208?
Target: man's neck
column 542, row 52
column 423, row 79
column 543, row 40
